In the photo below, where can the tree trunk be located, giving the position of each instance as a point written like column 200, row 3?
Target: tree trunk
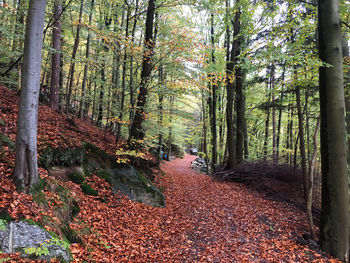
column 26, row 168
column 100, row 104
column 334, row 224
column 56, row 57
column 131, row 82
column 204, row 119
column 116, row 70
column 302, row 141
column 240, row 115
column 267, row 123
column 231, row 160
column 214, row 87
column 279, row 125
column 345, row 49
column 103, row 77
column 312, row 165
column 160, row 124
column 274, row 136
column 170, row 127
column 137, row 132
column 122, row 99
column 72, row 65
column 86, row 66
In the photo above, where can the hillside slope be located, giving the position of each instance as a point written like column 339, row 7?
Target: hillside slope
column 204, row 220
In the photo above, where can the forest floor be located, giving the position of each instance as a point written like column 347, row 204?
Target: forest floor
column 204, row 220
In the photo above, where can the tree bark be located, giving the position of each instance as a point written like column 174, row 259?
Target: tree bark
column 274, row 136
column 231, row 160
column 312, row 166
column 86, row 66
column 214, row 87
column 137, row 133
column 334, row 224
column 204, row 119
column 131, row 81
column 240, row 115
column 56, row 57
column 26, row 167
column 301, row 141
column 345, row 49
column 72, row 65
column 122, row 99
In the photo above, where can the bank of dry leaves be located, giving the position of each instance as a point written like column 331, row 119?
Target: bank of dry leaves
column 204, row 220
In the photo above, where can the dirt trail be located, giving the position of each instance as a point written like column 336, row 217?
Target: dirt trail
column 226, row 222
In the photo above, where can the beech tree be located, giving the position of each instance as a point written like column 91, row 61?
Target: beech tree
column 26, row 167
column 334, row 228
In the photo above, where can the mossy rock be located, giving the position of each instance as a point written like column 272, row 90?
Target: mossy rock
column 65, row 157
column 136, row 186
column 92, row 160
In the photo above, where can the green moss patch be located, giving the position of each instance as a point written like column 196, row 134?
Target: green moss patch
column 4, row 215
column 70, row 234
column 76, row 178
column 6, row 141
column 88, row 190
column 104, row 175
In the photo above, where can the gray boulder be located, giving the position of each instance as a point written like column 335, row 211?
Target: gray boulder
column 32, row 241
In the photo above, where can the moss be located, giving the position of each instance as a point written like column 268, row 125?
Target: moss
column 76, row 178
column 5, row 140
column 40, row 198
column 2, row 122
column 75, row 209
column 104, row 175
column 162, row 188
column 37, row 194
column 70, row 234
column 46, row 157
column 4, row 215
column 86, row 169
column 142, row 178
column 34, row 223
column 88, row 190
column 103, row 199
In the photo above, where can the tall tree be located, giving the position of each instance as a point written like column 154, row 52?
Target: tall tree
column 26, row 168
column 137, row 133
column 334, row 225
column 87, row 55
column 212, row 105
column 122, row 99
column 72, row 65
column 230, row 63
column 56, row 57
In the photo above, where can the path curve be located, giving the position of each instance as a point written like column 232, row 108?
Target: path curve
column 227, row 222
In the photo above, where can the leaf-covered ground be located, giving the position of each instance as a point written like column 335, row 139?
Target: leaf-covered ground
column 204, row 220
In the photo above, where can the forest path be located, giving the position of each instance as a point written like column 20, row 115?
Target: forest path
column 227, row 222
